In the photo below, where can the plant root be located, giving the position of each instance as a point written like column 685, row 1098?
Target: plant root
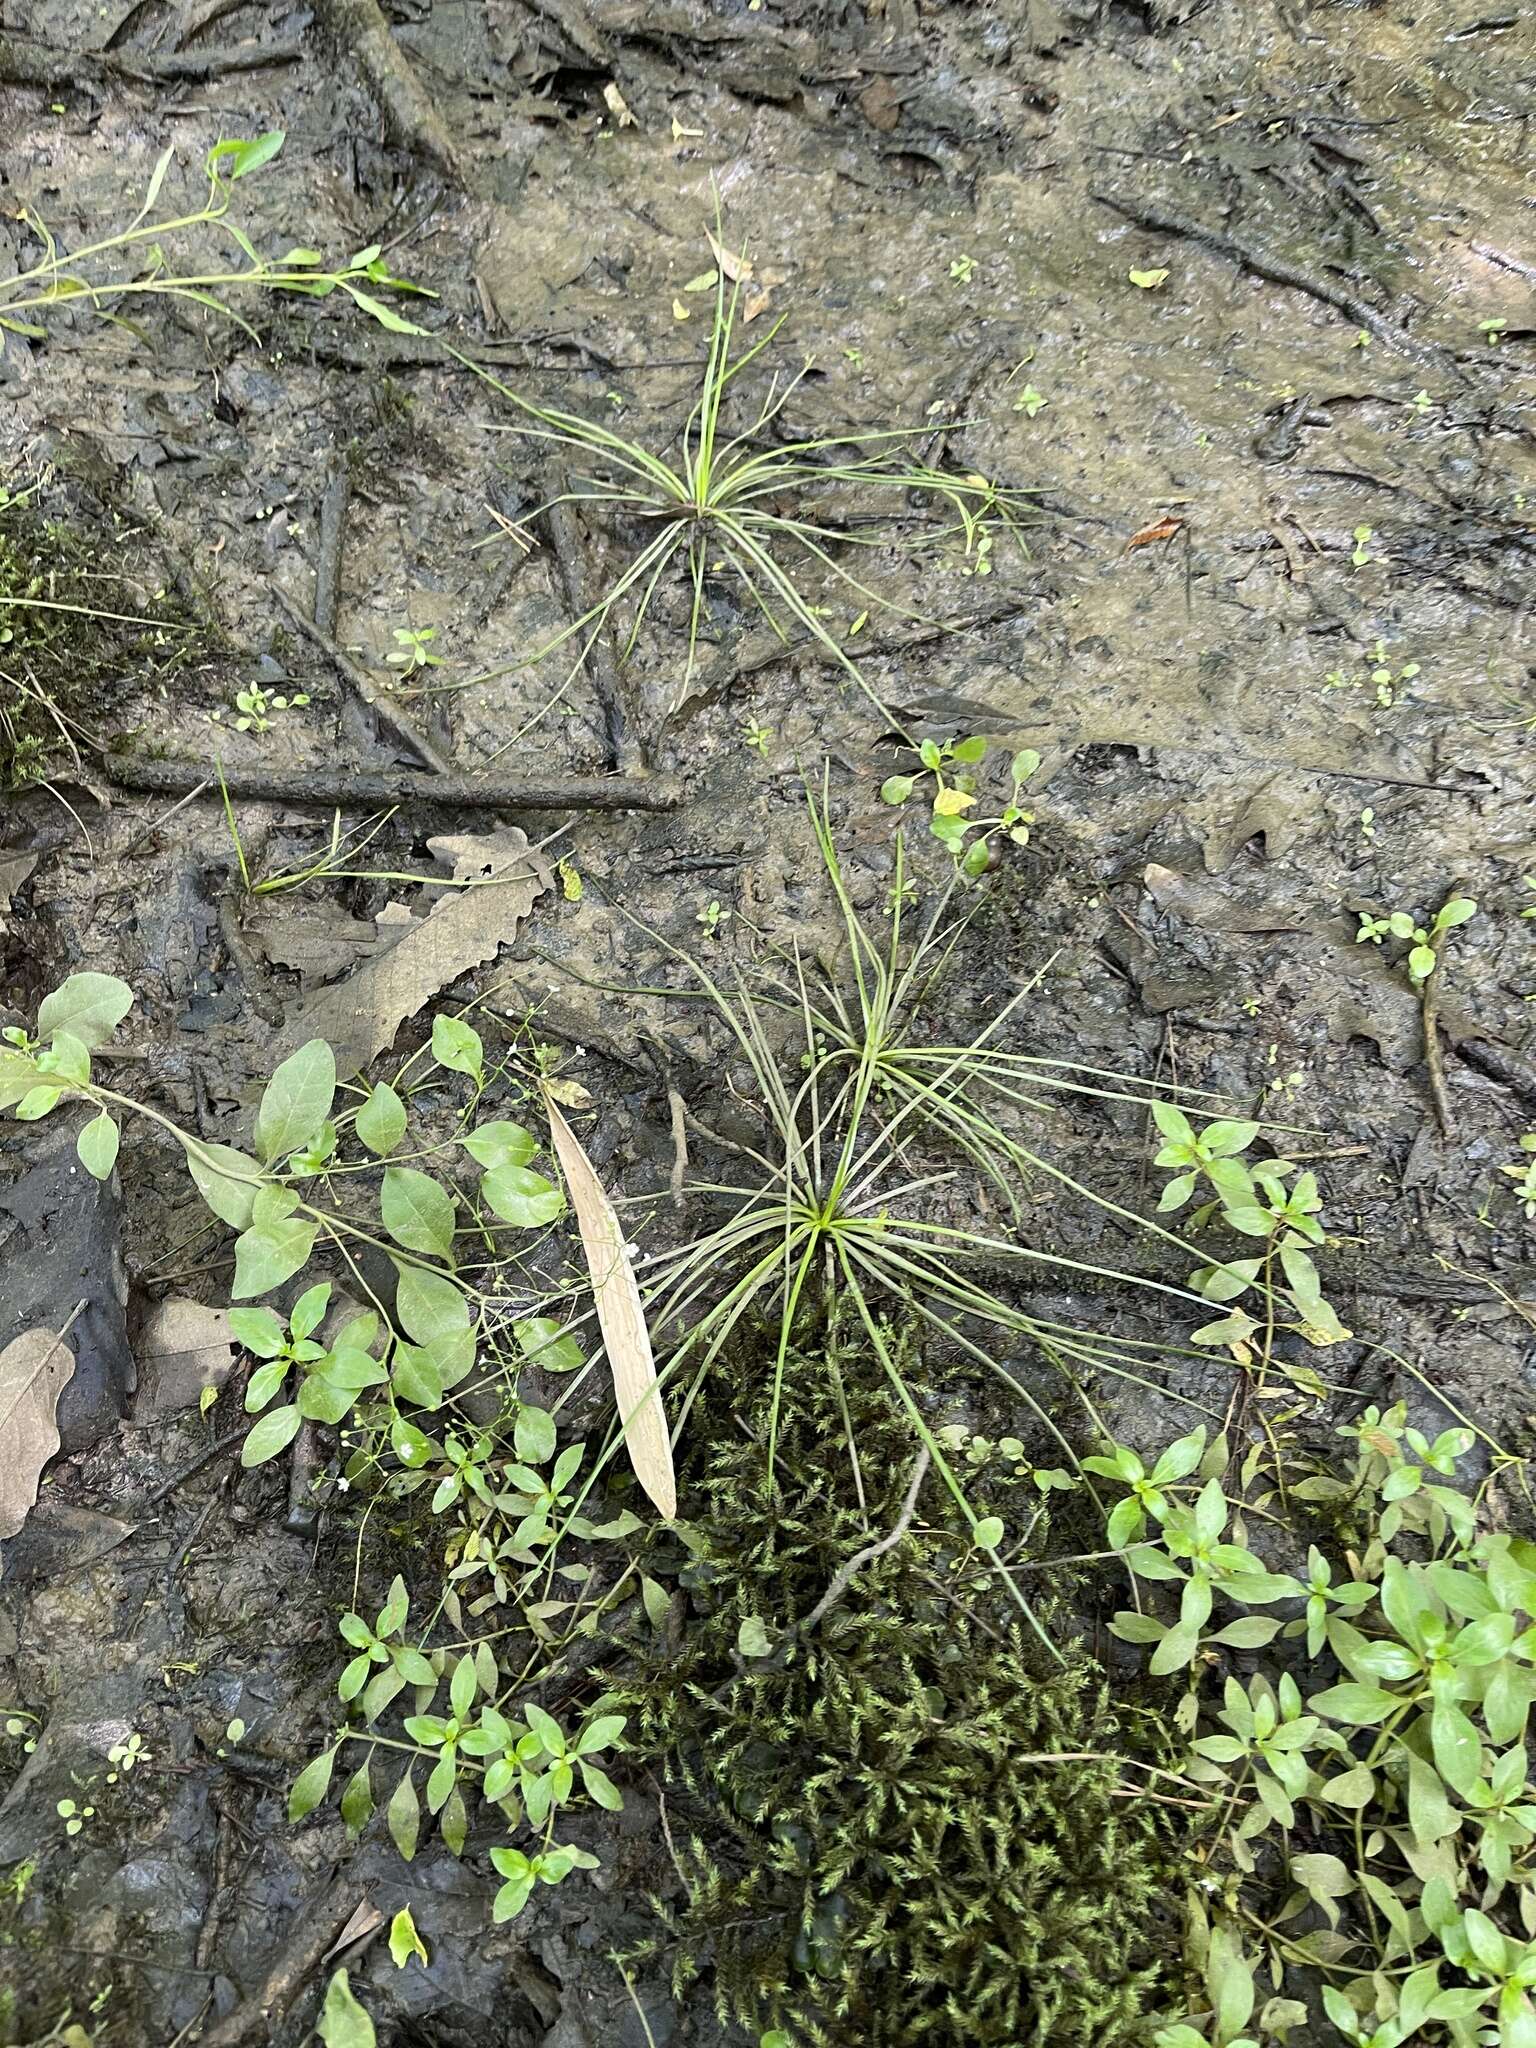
column 1251, row 255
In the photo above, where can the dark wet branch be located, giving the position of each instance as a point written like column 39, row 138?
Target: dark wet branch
column 346, row 789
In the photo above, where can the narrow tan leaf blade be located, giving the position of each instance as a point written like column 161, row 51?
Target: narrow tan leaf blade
column 620, row 1317
column 35, row 1368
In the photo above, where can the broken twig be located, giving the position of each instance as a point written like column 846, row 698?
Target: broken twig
column 569, row 544
column 333, row 533
column 335, row 788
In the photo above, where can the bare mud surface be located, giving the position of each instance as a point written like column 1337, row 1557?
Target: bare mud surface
column 1269, row 633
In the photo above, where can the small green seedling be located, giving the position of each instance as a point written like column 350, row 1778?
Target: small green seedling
column 73, row 1815
column 413, row 650
column 961, row 268
column 955, row 794
column 1362, row 553
column 1386, row 681
column 1523, row 1173
column 1029, row 402
column 258, row 707
column 711, row 917
column 1424, row 952
column 1269, row 1200
column 757, row 736
column 1492, row 331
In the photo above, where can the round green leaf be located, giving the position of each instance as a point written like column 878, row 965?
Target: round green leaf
column 547, row 1344
column 296, row 1101
column 343, row 2023
column 97, row 1146
column 456, row 1045
column 500, row 1144
column 226, row 1179
column 87, row 1006
column 311, row 1785
column 534, row 1436
column 428, row 1304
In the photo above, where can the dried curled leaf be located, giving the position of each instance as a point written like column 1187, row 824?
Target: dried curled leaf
column 620, row 1317
column 35, row 1368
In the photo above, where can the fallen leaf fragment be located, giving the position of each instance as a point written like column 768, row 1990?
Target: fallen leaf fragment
column 35, row 1368
column 183, row 1347
column 880, row 104
column 620, row 1317
column 1160, row 529
column 735, row 269
column 618, row 106
column 360, row 1014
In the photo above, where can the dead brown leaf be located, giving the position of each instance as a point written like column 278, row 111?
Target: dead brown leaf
column 880, row 104
column 361, row 1014
column 1160, row 529
column 620, row 1317
column 734, row 269
column 183, row 1347
column 14, row 870
column 35, row 1368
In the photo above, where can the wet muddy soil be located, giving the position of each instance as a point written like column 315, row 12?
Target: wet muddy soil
column 1242, row 293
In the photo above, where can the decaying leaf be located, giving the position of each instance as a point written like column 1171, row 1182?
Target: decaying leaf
column 14, row 870
column 35, row 1368
column 880, row 104
column 618, row 106
column 183, row 1347
column 1160, row 529
column 620, row 1317
column 360, row 1014
column 319, row 940
column 1213, row 909
column 735, row 269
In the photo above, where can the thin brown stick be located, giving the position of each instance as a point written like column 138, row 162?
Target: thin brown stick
column 844, row 1576
column 333, row 788
column 1251, row 255
column 390, row 716
column 204, row 1457
column 1429, row 1010
column 243, row 960
column 679, row 1110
